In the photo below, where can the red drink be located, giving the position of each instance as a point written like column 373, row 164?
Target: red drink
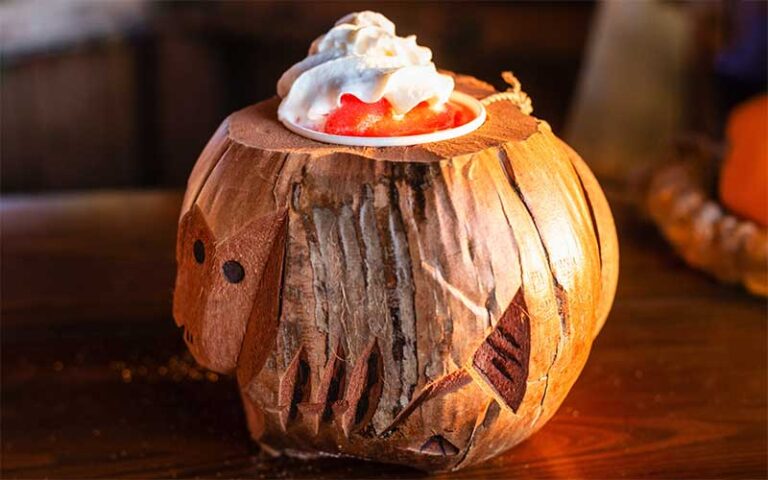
column 357, row 118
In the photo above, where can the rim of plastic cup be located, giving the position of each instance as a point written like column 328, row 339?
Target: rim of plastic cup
column 458, row 97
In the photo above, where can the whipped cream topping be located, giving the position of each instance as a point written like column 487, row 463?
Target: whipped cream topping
column 362, row 56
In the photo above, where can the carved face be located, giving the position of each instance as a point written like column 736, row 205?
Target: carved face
column 216, row 285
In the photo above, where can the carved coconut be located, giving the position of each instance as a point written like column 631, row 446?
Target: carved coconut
column 428, row 305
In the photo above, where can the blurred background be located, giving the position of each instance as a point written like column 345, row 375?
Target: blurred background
column 105, row 106
column 125, row 93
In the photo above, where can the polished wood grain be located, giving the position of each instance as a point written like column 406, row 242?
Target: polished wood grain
column 96, row 382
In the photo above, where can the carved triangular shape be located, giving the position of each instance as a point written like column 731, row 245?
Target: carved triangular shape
column 437, row 445
column 295, row 388
column 330, row 391
column 364, row 392
column 502, row 359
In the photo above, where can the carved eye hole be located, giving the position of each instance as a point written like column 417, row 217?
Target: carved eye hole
column 233, row 271
column 198, row 249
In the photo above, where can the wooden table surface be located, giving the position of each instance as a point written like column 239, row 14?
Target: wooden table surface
column 96, row 382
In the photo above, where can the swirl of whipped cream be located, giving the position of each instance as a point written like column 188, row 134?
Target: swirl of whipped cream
column 361, row 56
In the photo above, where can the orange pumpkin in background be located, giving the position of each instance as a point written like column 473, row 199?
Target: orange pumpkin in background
column 744, row 174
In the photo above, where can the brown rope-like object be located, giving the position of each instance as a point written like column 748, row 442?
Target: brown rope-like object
column 514, row 94
column 708, row 237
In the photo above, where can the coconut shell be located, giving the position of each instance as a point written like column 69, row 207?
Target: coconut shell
column 428, row 305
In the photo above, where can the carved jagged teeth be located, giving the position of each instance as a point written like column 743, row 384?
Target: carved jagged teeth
column 364, row 386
